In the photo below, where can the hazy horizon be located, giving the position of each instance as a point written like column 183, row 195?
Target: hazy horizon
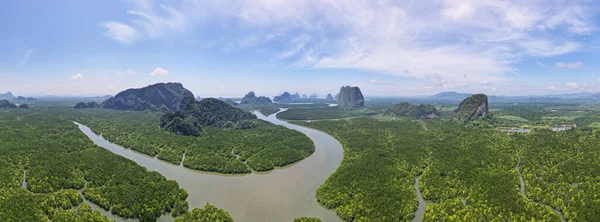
column 228, row 48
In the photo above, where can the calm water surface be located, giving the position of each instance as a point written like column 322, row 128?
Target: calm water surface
column 279, row 195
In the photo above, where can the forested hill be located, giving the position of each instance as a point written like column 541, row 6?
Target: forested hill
column 159, row 96
column 423, row 111
column 194, row 115
column 472, row 108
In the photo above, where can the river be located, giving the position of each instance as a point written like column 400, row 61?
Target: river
column 280, row 195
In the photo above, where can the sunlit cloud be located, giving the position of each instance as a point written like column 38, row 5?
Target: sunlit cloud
column 159, row 72
column 76, row 76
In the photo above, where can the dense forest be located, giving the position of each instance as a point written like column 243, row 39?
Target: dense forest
column 423, row 111
column 57, row 160
column 193, row 116
column 260, row 148
column 323, row 113
column 465, row 173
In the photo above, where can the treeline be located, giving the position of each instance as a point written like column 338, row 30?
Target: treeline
column 59, row 159
column 260, row 148
column 323, row 113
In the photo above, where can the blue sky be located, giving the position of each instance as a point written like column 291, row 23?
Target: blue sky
column 227, row 48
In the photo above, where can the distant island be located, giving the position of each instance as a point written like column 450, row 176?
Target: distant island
column 251, row 98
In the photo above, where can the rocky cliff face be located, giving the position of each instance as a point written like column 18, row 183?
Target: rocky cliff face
column 251, row 98
column 351, row 97
column 472, row 108
column 152, row 97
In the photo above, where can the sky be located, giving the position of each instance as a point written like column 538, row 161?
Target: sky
column 229, row 47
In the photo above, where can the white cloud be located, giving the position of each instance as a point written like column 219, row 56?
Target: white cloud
column 458, row 9
column 156, row 24
column 571, row 85
column 120, row 32
column 541, row 65
column 572, row 65
column 378, row 82
column 26, row 57
column 159, row 72
column 462, row 41
column 76, row 76
column 547, row 48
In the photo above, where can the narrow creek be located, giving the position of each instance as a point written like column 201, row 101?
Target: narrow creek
column 560, row 214
column 422, row 204
column 280, row 195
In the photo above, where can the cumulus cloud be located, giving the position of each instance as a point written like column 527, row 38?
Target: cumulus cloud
column 119, row 32
column 159, row 72
column 76, row 76
column 571, row 85
column 572, row 65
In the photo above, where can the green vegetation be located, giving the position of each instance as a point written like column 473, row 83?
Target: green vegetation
column 59, row 160
column 260, row 148
column 307, row 219
column 269, row 111
column 160, row 96
column 193, row 116
column 207, row 214
column 466, row 173
column 375, row 180
column 323, row 113
column 423, row 111
column 7, row 104
column 88, row 105
column 472, row 108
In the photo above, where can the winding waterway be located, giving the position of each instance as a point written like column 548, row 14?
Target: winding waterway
column 280, row 195
column 422, row 204
column 560, row 215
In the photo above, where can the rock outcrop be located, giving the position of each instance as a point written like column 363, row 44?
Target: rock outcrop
column 314, row 96
column 423, row 111
column 472, row 108
column 159, row 96
column 251, row 98
column 351, row 97
column 329, row 97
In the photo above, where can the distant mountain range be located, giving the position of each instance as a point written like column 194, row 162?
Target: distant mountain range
column 455, row 96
